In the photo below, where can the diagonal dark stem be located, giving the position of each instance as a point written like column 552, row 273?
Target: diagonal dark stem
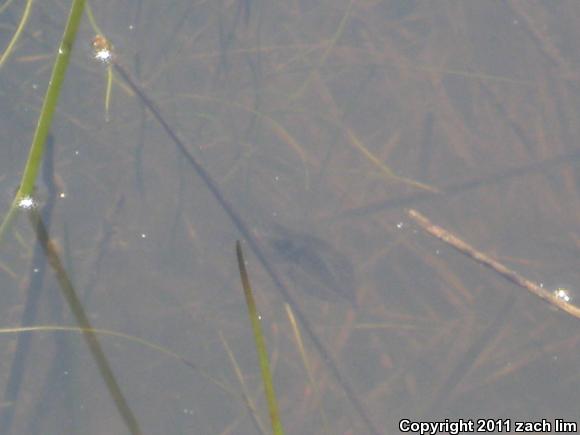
column 82, row 320
column 255, row 246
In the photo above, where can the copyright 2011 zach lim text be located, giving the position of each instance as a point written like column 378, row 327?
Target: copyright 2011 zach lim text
column 486, row 425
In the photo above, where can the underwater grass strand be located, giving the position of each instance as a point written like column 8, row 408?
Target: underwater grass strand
column 131, row 338
column 277, row 428
column 305, row 360
column 5, row 6
column 60, row 67
column 23, row 20
column 109, row 85
column 250, row 405
column 82, row 319
column 300, row 344
column 383, row 168
column 328, row 49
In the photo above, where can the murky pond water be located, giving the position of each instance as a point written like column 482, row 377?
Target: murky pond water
column 329, row 120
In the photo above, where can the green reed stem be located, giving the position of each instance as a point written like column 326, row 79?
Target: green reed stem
column 277, row 428
column 59, row 69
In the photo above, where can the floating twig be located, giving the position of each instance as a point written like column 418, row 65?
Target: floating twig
column 554, row 298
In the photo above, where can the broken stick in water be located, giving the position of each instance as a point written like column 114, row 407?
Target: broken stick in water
column 555, row 298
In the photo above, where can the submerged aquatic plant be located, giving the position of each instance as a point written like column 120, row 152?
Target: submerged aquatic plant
column 260, row 344
column 50, row 101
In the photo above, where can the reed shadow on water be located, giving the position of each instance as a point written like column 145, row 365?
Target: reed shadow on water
column 244, row 229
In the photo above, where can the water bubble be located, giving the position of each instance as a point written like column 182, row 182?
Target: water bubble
column 563, row 293
column 27, row 203
column 102, row 49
